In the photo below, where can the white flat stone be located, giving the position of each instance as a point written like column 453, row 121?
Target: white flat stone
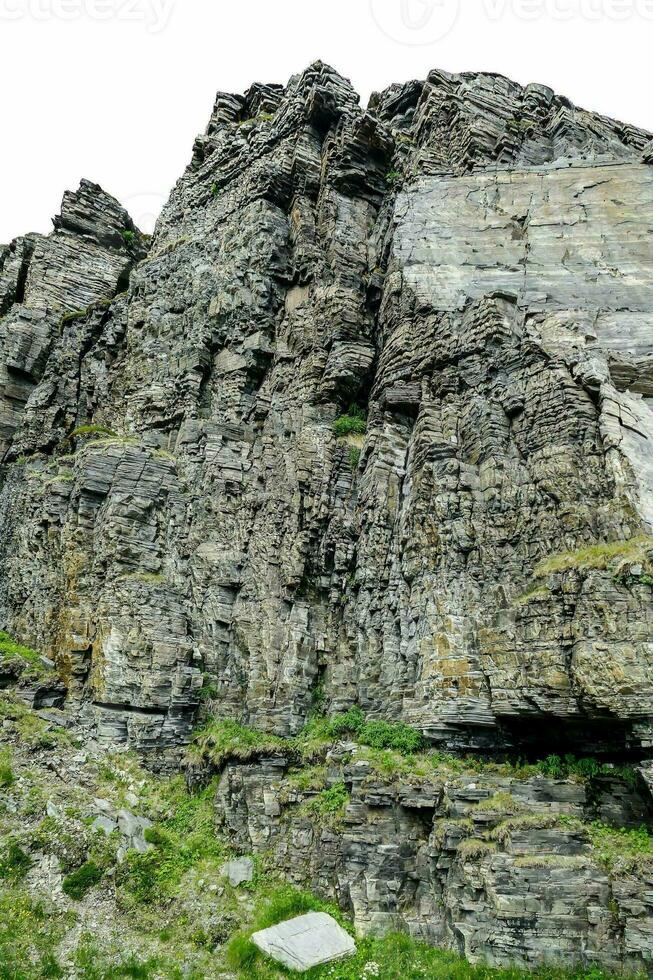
column 305, row 942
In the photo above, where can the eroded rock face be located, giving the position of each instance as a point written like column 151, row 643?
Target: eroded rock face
column 467, row 261
column 496, row 866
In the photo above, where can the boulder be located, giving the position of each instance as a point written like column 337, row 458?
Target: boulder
column 306, row 941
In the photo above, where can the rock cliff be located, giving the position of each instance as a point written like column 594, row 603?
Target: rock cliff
column 367, row 422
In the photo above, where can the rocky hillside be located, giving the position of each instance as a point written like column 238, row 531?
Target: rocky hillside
column 350, row 468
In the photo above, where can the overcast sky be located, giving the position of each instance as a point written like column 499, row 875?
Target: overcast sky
column 116, row 90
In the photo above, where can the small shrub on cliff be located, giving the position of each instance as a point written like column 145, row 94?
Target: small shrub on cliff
column 329, row 805
column 353, row 422
column 354, row 458
column 588, row 768
column 620, row 845
column 391, row 735
column 393, row 177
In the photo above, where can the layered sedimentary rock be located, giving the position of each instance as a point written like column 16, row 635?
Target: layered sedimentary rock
column 467, row 262
column 498, row 866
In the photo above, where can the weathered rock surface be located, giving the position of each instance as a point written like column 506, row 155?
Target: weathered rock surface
column 305, row 942
column 498, row 867
column 468, row 262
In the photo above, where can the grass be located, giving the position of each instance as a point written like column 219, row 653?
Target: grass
column 222, row 739
column 10, row 649
column 29, row 932
column 79, row 882
column 395, row 957
column 92, row 430
column 352, row 423
column 597, row 556
column 628, row 848
column 182, row 840
column 391, row 748
column 284, row 903
column 329, row 805
column 129, row 237
column 7, row 776
column 14, row 861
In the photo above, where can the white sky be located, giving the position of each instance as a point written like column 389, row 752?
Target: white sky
column 116, row 90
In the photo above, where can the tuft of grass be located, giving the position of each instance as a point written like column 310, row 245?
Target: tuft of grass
column 128, row 237
column 310, row 779
column 222, row 739
column 618, row 845
column 10, row 648
column 500, row 802
column 528, row 821
column 474, row 849
column 14, row 861
column 27, row 662
column 353, row 422
column 92, row 430
column 354, row 458
column 597, row 556
column 329, row 805
column 7, row 777
column 535, row 592
column 73, row 315
column 79, row 882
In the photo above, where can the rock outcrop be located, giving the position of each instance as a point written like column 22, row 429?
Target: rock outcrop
column 193, row 506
